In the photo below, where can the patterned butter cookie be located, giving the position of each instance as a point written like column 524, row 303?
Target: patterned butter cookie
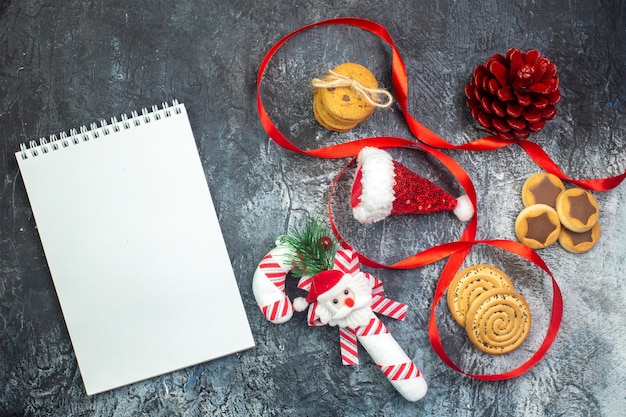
column 537, row 226
column 498, row 321
column 347, row 103
column 469, row 284
column 542, row 188
column 579, row 242
column 577, row 209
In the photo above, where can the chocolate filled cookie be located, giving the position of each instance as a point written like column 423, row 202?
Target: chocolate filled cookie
column 579, row 242
column 542, row 188
column 537, row 226
column 577, row 209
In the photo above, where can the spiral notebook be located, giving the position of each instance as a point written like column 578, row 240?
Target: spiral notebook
column 134, row 247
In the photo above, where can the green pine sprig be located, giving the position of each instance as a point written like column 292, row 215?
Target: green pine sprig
column 312, row 249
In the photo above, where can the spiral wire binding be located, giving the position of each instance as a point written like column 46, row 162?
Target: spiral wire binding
column 84, row 134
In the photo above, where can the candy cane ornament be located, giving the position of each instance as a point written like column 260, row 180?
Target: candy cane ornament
column 348, row 298
column 399, row 369
column 339, row 294
column 268, row 284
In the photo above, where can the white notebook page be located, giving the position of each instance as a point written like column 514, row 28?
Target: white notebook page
column 135, row 249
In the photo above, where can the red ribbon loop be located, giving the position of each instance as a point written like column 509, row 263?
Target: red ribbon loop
column 452, row 266
column 457, row 251
column 400, row 85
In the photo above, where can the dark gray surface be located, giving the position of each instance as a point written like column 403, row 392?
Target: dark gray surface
column 67, row 63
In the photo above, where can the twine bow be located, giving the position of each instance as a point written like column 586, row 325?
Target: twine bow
column 371, row 94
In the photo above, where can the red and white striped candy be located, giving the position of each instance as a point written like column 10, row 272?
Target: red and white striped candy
column 399, row 369
column 346, row 261
column 389, row 308
column 348, row 345
column 268, row 285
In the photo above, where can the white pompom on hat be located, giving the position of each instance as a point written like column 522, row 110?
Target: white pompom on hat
column 384, row 187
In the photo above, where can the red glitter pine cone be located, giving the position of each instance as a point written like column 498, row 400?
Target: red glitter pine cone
column 514, row 95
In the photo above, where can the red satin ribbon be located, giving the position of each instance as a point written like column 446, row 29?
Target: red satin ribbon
column 452, row 266
column 400, row 85
column 456, row 252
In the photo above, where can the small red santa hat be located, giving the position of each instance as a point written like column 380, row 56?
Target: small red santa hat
column 383, row 187
column 324, row 286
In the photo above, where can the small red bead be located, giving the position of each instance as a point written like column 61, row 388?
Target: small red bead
column 325, row 242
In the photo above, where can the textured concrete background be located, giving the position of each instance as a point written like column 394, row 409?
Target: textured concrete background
column 67, row 63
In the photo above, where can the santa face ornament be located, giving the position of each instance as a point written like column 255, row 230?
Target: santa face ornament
column 343, row 300
column 346, row 300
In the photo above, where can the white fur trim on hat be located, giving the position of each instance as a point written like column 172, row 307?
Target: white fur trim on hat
column 376, row 200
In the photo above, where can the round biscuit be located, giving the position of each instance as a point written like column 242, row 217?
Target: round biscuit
column 470, row 283
column 577, row 209
column 498, row 321
column 542, row 188
column 537, row 226
column 326, row 120
column 346, row 103
column 579, row 242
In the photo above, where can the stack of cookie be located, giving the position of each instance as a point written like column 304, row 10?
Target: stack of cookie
column 553, row 213
column 481, row 298
column 345, row 97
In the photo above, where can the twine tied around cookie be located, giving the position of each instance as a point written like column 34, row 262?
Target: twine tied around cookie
column 335, row 80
